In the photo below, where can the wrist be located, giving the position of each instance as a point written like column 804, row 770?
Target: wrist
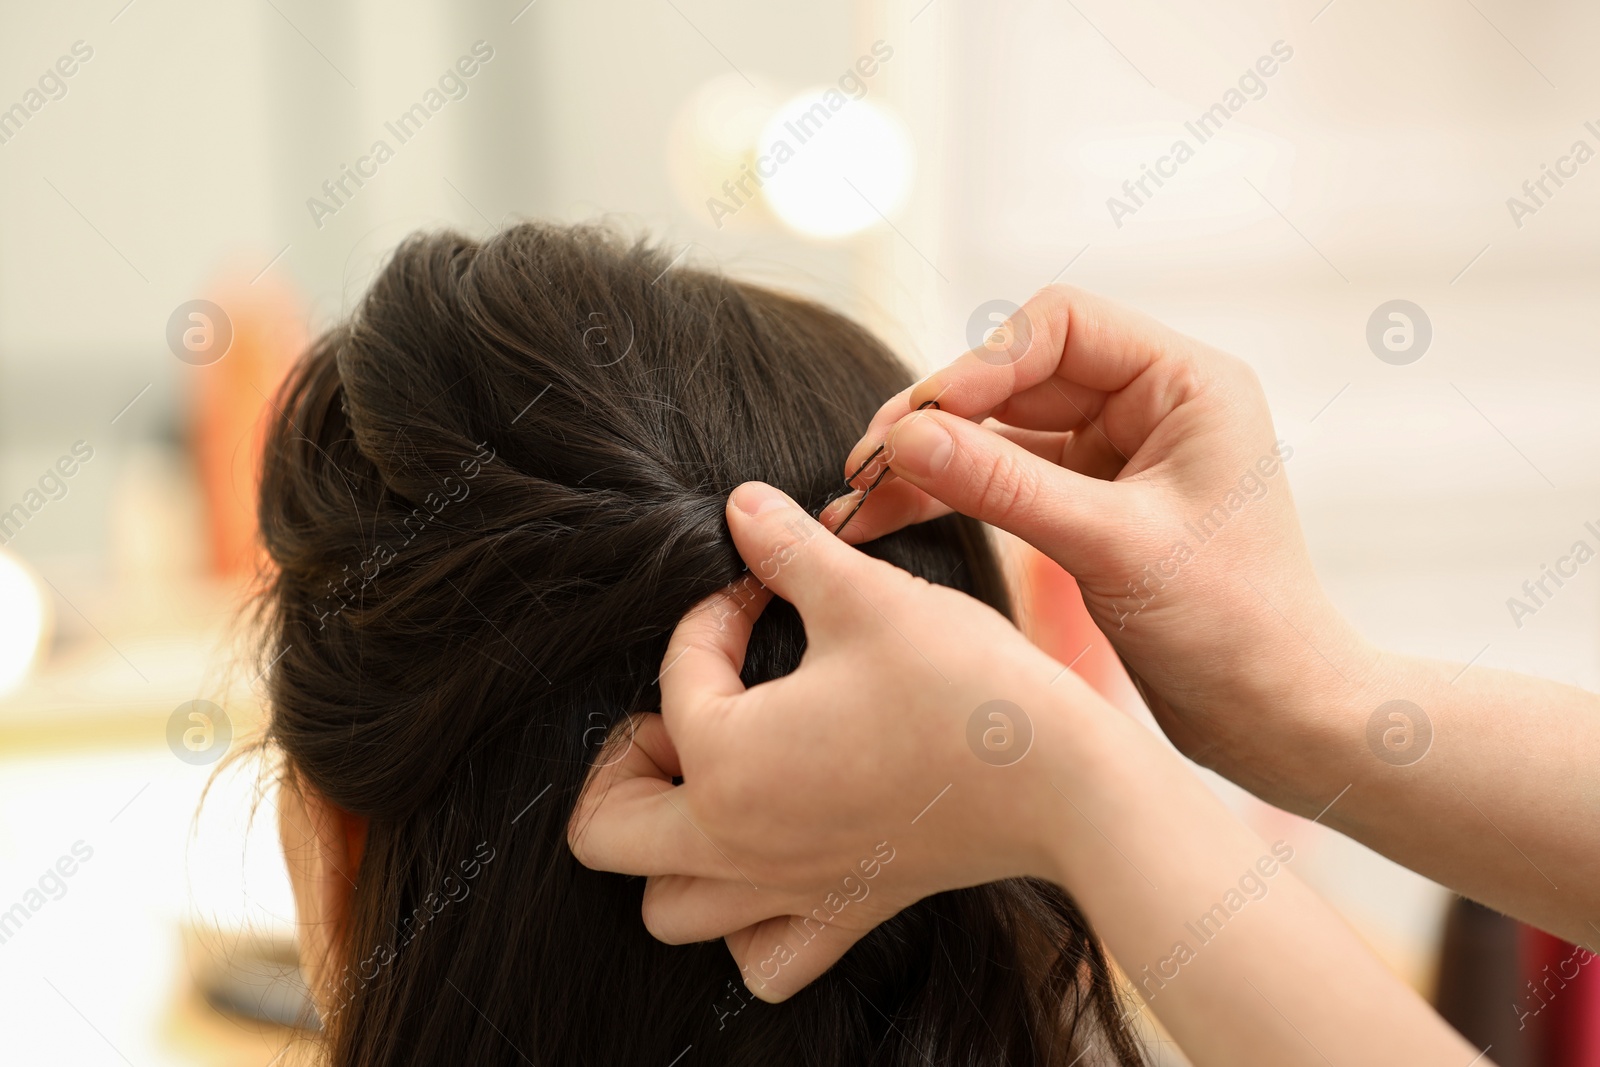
column 1088, row 757
column 1287, row 734
column 1319, row 743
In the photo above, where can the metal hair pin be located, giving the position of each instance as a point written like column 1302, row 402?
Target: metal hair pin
column 876, row 452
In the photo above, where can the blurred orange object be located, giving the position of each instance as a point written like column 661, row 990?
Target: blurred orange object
column 229, row 399
column 1055, row 619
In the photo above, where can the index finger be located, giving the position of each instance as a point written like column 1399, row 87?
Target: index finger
column 858, row 471
column 706, row 651
column 1084, row 339
column 627, row 819
column 1081, row 350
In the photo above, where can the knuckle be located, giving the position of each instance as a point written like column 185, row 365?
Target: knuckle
column 1251, row 382
column 1240, row 371
column 1062, row 291
column 658, row 918
column 578, row 844
column 1005, row 486
column 1184, row 380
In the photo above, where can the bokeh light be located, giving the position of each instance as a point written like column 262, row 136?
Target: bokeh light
column 22, row 622
column 834, row 173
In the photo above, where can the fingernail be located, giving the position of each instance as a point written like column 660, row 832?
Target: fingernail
column 761, row 993
column 753, row 498
column 920, row 446
column 857, row 455
column 835, row 509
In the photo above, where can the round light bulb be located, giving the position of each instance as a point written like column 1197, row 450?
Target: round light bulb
column 833, row 165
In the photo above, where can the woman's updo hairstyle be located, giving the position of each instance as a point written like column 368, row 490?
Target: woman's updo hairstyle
column 487, row 499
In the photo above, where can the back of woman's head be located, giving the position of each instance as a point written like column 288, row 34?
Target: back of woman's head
column 487, row 500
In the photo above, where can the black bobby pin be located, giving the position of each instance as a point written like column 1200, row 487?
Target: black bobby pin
column 876, row 452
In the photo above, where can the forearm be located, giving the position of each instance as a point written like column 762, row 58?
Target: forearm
column 1486, row 781
column 1242, row 963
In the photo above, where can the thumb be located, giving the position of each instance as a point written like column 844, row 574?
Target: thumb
column 792, row 554
column 979, row 473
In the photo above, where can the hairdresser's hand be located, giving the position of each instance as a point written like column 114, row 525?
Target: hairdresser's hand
column 815, row 806
column 1145, row 463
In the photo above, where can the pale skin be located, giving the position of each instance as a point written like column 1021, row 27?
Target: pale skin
column 1102, row 445
column 1106, row 438
column 322, row 846
column 789, row 786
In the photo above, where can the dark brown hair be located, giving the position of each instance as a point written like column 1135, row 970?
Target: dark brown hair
column 487, row 499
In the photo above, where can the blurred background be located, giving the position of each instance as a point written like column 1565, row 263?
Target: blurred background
column 1389, row 210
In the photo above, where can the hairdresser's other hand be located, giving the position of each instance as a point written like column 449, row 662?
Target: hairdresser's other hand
column 819, row 804
column 1145, row 463
column 880, row 772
